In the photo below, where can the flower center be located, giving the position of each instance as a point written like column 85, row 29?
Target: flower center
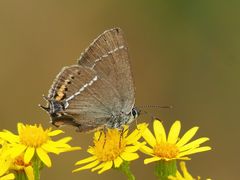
column 33, row 136
column 166, row 150
column 19, row 164
column 109, row 145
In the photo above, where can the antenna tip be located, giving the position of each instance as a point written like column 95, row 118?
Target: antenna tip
column 44, row 108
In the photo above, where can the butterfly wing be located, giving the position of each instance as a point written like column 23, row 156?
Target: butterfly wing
column 88, row 99
column 108, row 56
column 99, row 87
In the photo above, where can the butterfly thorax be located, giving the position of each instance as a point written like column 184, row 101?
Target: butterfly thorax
column 121, row 119
column 56, row 107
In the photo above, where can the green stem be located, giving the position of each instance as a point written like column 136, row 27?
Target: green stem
column 37, row 165
column 126, row 170
column 163, row 169
column 20, row 175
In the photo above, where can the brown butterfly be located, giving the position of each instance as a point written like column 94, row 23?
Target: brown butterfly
column 97, row 92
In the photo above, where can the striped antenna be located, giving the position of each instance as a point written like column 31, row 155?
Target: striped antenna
column 156, row 106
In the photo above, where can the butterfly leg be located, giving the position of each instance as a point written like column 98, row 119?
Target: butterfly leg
column 100, row 135
column 104, row 131
column 122, row 131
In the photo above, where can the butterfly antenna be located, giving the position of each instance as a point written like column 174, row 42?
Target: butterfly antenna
column 46, row 98
column 43, row 107
column 153, row 106
column 156, row 106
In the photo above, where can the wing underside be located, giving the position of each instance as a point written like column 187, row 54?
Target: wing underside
column 100, row 86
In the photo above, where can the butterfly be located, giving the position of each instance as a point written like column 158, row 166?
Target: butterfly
column 98, row 92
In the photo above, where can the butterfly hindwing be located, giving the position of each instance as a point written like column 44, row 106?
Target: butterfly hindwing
column 88, row 99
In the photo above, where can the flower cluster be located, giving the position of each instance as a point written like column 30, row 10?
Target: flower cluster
column 30, row 147
column 112, row 148
column 28, row 151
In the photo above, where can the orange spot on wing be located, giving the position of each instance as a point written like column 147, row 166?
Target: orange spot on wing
column 60, row 92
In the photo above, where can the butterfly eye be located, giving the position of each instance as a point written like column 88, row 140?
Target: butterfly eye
column 135, row 112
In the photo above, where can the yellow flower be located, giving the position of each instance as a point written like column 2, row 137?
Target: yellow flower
column 19, row 165
column 5, row 162
column 33, row 139
column 171, row 147
column 111, row 149
column 186, row 175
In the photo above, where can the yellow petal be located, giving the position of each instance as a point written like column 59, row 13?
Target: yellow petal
column 187, row 136
column 174, row 132
column 195, row 150
column 17, row 150
column 4, row 165
column 129, row 156
column 133, row 137
column 99, row 166
column 57, row 144
column 107, row 166
column 9, row 136
column 64, row 140
column 8, row 177
column 88, row 166
column 117, row 162
column 146, row 150
column 183, row 158
column 159, row 131
column 40, row 126
column 29, row 172
column 148, row 136
column 193, row 144
column 29, row 154
column 186, row 174
column 98, row 134
column 131, row 148
column 177, row 177
column 55, row 132
column 152, row 159
column 142, row 127
column 44, row 157
column 20, row 127
column 48, row 147
column 86, row 160
column 70, row 149
column 90, row 150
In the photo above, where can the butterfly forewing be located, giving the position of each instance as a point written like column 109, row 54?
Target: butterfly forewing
column 108, row 56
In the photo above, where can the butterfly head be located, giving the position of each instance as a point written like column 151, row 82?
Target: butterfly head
column 135, row 112
column 54, row 107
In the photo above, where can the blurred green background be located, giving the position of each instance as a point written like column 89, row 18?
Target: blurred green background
column 184, row 53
